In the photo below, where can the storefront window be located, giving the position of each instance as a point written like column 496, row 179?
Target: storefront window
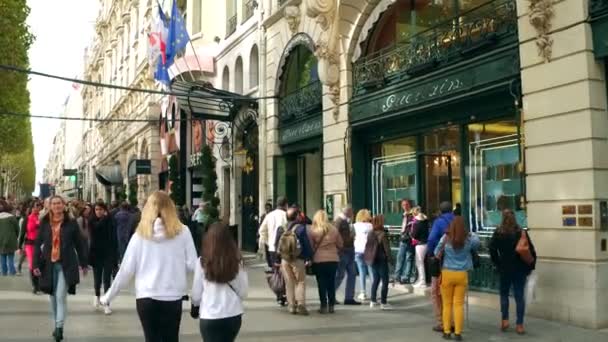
column 495, row 174
column 394, row 169
column 300, row 71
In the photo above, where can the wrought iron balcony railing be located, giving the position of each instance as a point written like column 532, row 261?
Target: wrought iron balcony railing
column 301, row 103
column 231, row 26
column 441, row 44
column 248, row 9
column 598, row 8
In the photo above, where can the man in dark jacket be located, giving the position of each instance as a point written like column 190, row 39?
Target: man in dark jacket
column 440, row 227
column 347, row 255
column 123, row 230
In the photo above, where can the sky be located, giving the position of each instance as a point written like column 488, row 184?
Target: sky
column 63, row 29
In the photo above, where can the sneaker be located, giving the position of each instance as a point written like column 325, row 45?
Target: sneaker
column 447, row 336
column 351, row 302
column 292, row 310
column 373, row 305
column 107, row 310
column 419, row 285
column 301, row 310
column 96, row 303
column 386, row 306
column 458, row 337
column 18, row 274
column 362, row 297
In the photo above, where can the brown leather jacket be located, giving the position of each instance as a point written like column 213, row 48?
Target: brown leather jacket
column 375, row 240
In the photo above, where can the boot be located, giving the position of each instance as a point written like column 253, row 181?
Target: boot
column 58, row 334
column 520, row 329
column 323, row 310
column 35, row 283
column 331, row 309
column 504, row 325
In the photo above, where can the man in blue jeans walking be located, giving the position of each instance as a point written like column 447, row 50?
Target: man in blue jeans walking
column 407, row 252
column 347, row 256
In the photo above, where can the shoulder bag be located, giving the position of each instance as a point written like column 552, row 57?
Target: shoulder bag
column 309, row 270
column 523, row 249
column 436, row 261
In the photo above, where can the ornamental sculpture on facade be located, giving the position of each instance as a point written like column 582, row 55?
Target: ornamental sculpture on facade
column 327, row 47
column 292, row 16
column 541, row 14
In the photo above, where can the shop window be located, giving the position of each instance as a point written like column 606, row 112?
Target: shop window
column 495, row 174
column 300, row 71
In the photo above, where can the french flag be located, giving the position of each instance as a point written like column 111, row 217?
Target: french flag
column 157, row 39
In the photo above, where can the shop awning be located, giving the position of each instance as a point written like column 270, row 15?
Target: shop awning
column 139, row 167
column 109, row 175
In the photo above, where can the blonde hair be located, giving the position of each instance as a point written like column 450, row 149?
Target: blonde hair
column 416, row 210
column 159, row 205
column 364, row 215
column 320, row 222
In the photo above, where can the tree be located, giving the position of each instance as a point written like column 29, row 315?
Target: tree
column 209, row 178
column 176, row 192
column 133, row 193
column 15, row 39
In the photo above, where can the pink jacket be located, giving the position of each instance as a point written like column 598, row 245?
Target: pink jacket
column 33, row 223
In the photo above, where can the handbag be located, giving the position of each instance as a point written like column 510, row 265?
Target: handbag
column 530, row 289
column 436, row 262
column 523, row 249
column 276, row 282
column 309, row 270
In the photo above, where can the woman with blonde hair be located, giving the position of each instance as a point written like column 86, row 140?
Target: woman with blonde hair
column 362, row 228
column 159, row 256
column 326, row 242
column 420, row 236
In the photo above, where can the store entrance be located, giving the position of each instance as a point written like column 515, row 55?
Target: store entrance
column 300, row 179
column 437, row 184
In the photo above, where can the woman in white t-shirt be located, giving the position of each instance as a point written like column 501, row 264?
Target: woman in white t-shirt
column 362, row 228
column 219, row 287
column 159, row 257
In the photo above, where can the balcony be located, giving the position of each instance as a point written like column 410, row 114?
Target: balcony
column 301, row 103
column 231, row 26
column 448, row 42
column 248, row 9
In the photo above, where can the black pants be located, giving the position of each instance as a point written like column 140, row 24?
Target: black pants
column 325, row 273
column 159, row 319
column 35, row 282
column 102, row 272
column 220, row 330
column 380, row 270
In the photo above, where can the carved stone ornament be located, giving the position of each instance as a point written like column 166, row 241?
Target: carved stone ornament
column 327, row 49
column 541, row 14
column 292, row 15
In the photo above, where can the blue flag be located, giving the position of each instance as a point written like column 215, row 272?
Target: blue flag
column 178, row 35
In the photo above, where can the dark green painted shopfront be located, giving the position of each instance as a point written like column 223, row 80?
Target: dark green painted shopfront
column 435, row 114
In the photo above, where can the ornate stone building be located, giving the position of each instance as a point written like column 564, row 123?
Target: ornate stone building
column 118, row 55
column 493, row 104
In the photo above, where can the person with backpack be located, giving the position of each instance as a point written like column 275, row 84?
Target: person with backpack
column 295, row 251
column 378, row 256
column 513, row 268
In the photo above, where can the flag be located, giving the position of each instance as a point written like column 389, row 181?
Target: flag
column 157, row 47
column 178, row 35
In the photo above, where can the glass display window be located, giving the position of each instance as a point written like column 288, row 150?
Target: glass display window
column 495, row 176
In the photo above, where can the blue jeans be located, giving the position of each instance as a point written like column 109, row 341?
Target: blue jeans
column 405, row 262
column 347, row 267
column 518, row 281
column 364, row 270
column 59, row 304
column 8, row 263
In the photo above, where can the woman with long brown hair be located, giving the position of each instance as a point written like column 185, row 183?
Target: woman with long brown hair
column 378, row 256
column 59, row 251
column 159, row 257
column 219, row 287
column 513, row 271
column 456, row 247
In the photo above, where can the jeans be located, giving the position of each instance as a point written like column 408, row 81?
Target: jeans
column 59, row 303
column 420, row 259
column 102, row 272
column 220, row 330
column 380, row 270
column 405, row 262
column 364, row 270
column 518, row 281
column 453, row 289
column 8, row 263
column 295, row 281
column 123, row 242
column 347, row 267
column 326, row 282
column 436, row 300
column 159, row 319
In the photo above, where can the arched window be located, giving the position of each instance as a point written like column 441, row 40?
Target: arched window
column 238, row 76
column 226, row 78
column 254, row 72
column 300, row 70
column 406, row 18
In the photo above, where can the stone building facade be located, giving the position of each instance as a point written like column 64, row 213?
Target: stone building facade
column 493, row 104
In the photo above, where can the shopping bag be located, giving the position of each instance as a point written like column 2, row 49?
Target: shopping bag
column 276, row 282
column 530, row 289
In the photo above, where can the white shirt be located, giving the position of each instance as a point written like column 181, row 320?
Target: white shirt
column 160, row 265
column 268, row 228
column 362, row 229
column 217, row 300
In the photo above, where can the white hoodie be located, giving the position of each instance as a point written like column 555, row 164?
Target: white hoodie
column 160, row 265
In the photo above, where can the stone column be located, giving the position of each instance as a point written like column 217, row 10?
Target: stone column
column 566, row 131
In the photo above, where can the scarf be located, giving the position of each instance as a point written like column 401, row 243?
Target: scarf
column 56, row 238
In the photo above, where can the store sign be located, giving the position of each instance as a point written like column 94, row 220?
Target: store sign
column 423, row 93
column 301, row 130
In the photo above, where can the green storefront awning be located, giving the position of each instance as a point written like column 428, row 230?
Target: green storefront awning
column 598, row 10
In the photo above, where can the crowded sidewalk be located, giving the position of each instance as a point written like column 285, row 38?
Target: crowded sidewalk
column 24, row 317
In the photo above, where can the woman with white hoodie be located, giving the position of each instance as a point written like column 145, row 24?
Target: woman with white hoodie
column 362, row 228
column 159, row 256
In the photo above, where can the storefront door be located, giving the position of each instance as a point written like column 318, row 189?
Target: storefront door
column 437, row 180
